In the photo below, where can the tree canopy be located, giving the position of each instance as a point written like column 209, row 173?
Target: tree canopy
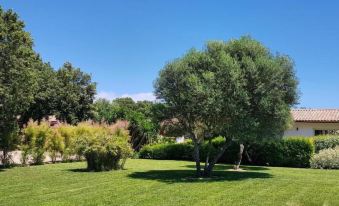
column 237, row 89
column 75, row 94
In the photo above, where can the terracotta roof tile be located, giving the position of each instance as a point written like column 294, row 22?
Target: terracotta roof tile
column 315, row 115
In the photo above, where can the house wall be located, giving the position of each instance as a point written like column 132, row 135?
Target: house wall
column 305, row 132
column 180, row 139
column 307, row 129
column 17, row 154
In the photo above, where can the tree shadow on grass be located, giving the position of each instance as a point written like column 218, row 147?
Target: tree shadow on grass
column 187, row 176
column 79, row 170
column 3, row 168
column 89, row 171
column 228, row 167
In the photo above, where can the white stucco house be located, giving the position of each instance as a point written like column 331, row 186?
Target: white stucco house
column 312, row 122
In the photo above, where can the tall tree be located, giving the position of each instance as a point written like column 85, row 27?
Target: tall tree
column 75, row 94
column 235, row 89
column 17, row 77
column 67, row 93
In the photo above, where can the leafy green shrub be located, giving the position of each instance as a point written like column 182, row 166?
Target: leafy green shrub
column 326, row 159
column 324, row 142
column 291, row 152
column 170, row 151
column 105, row 147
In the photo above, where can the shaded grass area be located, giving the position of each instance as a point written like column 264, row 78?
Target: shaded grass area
column 156, row 182
column 182, row 176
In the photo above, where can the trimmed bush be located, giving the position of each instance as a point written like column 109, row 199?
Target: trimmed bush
column 291, row 152
column 325, row 142
column 326, row 159
column 170, row 151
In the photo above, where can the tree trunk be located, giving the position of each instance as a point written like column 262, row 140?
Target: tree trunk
column 5, row 159
column 196, row 157
column 241, row 151
column 137, row 148
column 247, row 155
column 208, row 154
column 208, row 170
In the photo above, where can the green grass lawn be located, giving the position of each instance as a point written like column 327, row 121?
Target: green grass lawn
column 154, row 182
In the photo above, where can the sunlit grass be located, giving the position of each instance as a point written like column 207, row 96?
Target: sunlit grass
column 155, row 182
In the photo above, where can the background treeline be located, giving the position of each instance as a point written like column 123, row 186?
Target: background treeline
column 144, row 118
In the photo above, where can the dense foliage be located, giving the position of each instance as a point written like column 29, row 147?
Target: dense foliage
column 143, row 118
column 292, row 152
column 326, row 159
column 44, row 100
column 67, row 93
column 325, row 142
column 165, row 151
column 75, row 95
column 237, row 89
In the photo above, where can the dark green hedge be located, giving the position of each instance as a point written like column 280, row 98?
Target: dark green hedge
column 292, row 152
column 167, row 151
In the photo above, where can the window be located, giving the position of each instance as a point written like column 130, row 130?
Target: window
column 325, row 132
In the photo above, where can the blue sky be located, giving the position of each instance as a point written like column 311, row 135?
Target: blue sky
column 124, row 44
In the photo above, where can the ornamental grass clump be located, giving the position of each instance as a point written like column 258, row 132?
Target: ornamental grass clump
column 105, row 147
column 326, row 159
column 39, row 138
column 67, row 132
column 35, row 141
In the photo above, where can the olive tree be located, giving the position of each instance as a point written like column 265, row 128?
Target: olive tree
column 237, row 89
